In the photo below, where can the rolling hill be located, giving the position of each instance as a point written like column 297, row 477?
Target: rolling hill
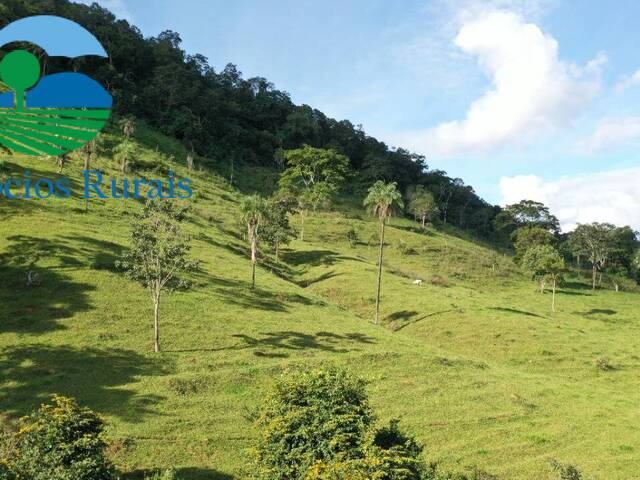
column 472, row 361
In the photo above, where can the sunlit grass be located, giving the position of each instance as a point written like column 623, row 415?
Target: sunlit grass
column 472, row 361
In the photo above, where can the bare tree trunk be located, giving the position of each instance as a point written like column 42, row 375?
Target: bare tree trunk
column 254, row 259
column 87, row 160
column 553, row 297
column 424, row 219
column 594, row 274
column 302, row 215
column 156, row 323
column 377, row 319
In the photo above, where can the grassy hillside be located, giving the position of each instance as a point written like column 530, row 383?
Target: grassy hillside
column 472, row 361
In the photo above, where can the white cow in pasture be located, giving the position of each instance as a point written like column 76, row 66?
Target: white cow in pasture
column 417, row 281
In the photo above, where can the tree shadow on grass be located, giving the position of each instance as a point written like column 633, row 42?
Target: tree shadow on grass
column 314, row 258
column 600, row 311
column 33, row 296
column 311, row 281
column 98, row 379
column 278, row 344
column 564, row 291
column 407, row 316
column 516, row 311
column 240, row 293
column 189, row 473
column 32, row 299
column 101, row 254
column 577, row 285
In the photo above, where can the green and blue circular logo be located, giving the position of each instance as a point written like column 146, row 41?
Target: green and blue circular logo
column 52, row 114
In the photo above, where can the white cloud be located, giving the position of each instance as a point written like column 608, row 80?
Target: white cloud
column 611, row 133
column 532, row 90
column 117, row 7
column 612, row 196
column 628, row 81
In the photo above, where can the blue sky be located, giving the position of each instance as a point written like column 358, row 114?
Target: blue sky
column 522, row 99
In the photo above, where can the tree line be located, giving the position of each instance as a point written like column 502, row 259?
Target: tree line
column 610, row 253
column 232, row 120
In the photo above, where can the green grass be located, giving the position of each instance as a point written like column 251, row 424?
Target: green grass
column 472, row 362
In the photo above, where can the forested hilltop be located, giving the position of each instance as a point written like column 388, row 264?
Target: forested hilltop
column 232, row 120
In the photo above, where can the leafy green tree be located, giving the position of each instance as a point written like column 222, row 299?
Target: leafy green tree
column 526, row 238
column 544, row 262
column 526, row 213
column 123, row 153
column 254, row 210
column 422, row 204
column 382, row 200
column 313, row 176
column 276, row 230
column 159, row 254
column 62, row 441
column 596, row 240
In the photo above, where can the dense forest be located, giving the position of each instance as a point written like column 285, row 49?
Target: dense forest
column 229, row 119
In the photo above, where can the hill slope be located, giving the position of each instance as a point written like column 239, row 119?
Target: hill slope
column 471, row 361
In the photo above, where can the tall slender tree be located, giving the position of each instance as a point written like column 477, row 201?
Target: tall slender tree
column 254, row 212
column 382, row 200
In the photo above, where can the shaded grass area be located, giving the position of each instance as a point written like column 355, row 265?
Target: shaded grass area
column 472, row 361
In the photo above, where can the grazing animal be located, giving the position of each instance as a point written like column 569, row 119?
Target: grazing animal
column 417, row 282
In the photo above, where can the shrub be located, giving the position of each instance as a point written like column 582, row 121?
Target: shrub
column 311, row 416
column 438, row 281
column 62, row 441
column 352, row 237
column 405, row 249
column 603, row 364
column 391, row 455
column 186, row 386
column 565, row 472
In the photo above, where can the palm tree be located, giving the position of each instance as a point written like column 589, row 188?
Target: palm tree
column 254, row 210
column 382, row 199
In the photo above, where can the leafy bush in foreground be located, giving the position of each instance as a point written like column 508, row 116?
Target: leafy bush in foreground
column 62, row 441
column 311, row 416
column 317, row 425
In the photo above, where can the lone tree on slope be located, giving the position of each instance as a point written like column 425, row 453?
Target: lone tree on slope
column 313, row 176
column 382, row 199
column 159, row 255
column 544, row 262
column 254, row 213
